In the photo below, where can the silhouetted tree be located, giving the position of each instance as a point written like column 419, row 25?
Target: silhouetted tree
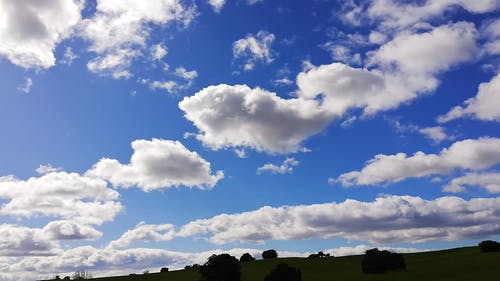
column 376, row 261
column 246, row 257
column 223, row 267
column 164, row 269
column 66, row 278
column 269, row 254
column 284, row 272
column 489, row 246
column 320, row 254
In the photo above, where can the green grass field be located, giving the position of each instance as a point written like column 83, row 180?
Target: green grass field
column 459, row 264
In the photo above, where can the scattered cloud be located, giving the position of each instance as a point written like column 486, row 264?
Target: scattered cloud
column 389, row 219
column 283, row 82
column 285, row 168
column 487, row 181
column 470, row 154
column 158, row 51
column 254, row 48
column 144, row 232
column 156, row 164
column 26, row 86
column 217, row 5
column 60, row 194
column 170, row 86
column 31, row 30
column 68, row 56
column 265, row 121
column 118, row 32
column 46, row 169
column 70, row 230
column 484, row 106
column 437, row 133
column 187, row 75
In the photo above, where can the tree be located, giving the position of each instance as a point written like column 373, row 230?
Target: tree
column 81, row 275
column 223, row 267
column 164, row 269
column 269, row 254
column 246, row 257
column 489, row 246
column 376, row 261
column 284, row 272
column 320, row 254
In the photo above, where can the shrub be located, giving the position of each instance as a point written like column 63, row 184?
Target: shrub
column 376, row 261
column 246, row 257
column 164, row 269
column 269, row 254
column 489, row 246
column 283, row 272
column 223, row 267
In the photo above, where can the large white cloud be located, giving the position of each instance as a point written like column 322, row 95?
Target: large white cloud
column 24, row 241
column 62, row 195
column 157, row 163
column 70, row 230
column 144, row 232
column 238, row 116
column 484, row 106
column 389, row 219
column 30, row 30
column 470, row 154
column 119, row 30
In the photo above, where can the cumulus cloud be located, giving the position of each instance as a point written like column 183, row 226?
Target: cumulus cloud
column 470, row 154
column 484, row 106
column 158, row 51
column 389, row 219
column 23, row 241
column 144, row 232
column 187, row 75
column 70, row 230
column 155, row 164
column 31, row 30
column 217, row 5
column 60, row 194
column 238, row 116
column 487, row 181
column 254, row 48
column 401, row 14
column 118, row 31
column 436, row 133
column 285, row 168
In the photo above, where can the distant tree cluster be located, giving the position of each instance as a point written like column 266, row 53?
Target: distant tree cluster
column 269, row 254
column 319, row 255
column 284, row 272
column 489, row 246
column 376, row 261
column 81, row 275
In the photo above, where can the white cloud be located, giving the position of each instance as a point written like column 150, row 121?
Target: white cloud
column 62, row 195
column 341, row 53
column 285, row 168
column 217, row 4
column 31, row 30
column 170, row 86
column 23, row 241
column 45, row 169
column 437, row 133
column 470, row 154
column 156, row 164
column 118, row 31
column 361, row 249
column 283, row 82
column 26, row 86
column 484, row 106
column 395, row 14
column 492, row 46
column 158, row 51
column 183, row 73
column 70, row 230
column 254, row 48
column 241, row 117
column 389, row 219
column 487, row 181
column 144, row 232
column 68, row 56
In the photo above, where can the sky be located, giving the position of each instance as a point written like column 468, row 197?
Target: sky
column 142, row 134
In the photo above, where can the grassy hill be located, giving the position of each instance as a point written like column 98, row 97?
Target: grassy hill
column 459, row 264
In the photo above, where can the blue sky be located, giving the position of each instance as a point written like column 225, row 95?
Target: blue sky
column 143, row 134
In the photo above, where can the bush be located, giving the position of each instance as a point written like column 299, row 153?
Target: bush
column 269, row 254
column 246, row 257
column 283, row 272
column 489, row 246
column 223, row 267
column 164, row 269
column 376, row 261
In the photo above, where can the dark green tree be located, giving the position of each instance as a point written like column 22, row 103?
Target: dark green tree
column 223, row 267
column 489, row 246
column 246, row 257
column 269, row 254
